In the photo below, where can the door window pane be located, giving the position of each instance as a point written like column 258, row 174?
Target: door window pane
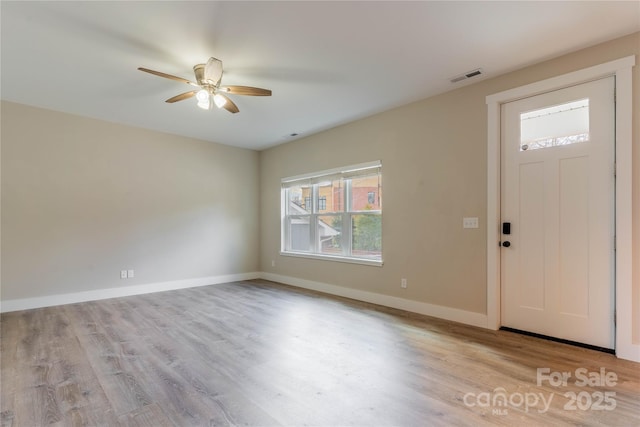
column 563, row 124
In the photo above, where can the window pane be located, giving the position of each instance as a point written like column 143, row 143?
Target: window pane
column 331, row 196
column 299, row 200
column 365, row 193
column 299, row 233
column 330, row 234
column 367, row 236
column 554, row 126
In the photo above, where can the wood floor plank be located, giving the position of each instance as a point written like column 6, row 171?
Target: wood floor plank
column 258, row 353
column 147, row 416
column 169, row 366
column 46, row 378
column 8, row 362
column 123, row 389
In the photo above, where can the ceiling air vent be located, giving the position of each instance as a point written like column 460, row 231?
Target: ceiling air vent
column 467, row 75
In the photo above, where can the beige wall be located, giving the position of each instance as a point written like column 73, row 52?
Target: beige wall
column 434, row 174
column 83, row 199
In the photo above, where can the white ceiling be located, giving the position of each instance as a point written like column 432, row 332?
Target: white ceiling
column 328, row 63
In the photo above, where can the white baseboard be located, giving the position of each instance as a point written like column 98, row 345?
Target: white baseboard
column 628, row 351
column 99, row 294
column 447, row 313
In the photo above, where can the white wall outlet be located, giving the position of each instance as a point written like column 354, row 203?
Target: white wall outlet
column 273, row 263
column 471, row 222
column 403, row 283
column 123, row 274
column 130, row 274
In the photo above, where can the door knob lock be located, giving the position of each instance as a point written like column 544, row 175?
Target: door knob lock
column 506, row 244
column 506, row 228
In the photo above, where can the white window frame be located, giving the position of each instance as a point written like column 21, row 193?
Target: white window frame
column 314, row 179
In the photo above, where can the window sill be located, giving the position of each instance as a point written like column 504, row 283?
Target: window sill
column 361, row 261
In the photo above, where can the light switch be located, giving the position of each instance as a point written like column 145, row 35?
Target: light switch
column 471, row 222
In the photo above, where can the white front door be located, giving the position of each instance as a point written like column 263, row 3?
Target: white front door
column 557, row 196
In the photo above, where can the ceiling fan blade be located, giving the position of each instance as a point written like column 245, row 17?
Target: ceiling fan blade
column 167, row 76
column 213, row 71
column 181, row 97
column 230, row 106
column 245, row 90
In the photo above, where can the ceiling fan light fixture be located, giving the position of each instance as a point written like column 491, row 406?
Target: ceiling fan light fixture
column 202, row 95
column 203, row 99
column 219, row 100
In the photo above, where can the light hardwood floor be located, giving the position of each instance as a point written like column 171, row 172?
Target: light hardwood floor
column 262, row 354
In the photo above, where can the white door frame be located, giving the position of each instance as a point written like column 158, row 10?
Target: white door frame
column 621, row 69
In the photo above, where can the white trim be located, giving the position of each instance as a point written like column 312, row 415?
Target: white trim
column 325, row 257
column 565, row 80
column 340, row 170
column 621, row 68
column 99, row 294
column 442, row 312
column 493, row 217
column 625, row 348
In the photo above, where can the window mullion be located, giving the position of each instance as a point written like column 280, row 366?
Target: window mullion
column 313, row 220
column 346, row 234
column 287, row 231
column 346, row 219
column 286, row 221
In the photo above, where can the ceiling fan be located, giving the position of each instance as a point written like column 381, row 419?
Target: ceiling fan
column 208, row 77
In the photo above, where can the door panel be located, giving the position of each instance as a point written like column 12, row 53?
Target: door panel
column 557, row 190
column 574, row 236
column 531, row 248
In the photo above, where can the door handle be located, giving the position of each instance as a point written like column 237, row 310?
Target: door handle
column 506, row 244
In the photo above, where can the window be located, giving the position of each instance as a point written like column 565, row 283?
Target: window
column 322, row 203
column 335, row 214
column 564, row 124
